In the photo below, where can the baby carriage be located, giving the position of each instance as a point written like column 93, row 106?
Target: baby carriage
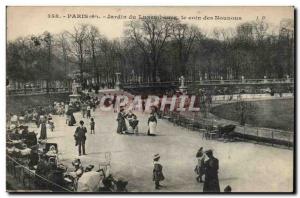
column 227, row 131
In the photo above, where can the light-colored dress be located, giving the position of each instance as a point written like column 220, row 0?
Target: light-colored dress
column 152, row 123
column 152, row 127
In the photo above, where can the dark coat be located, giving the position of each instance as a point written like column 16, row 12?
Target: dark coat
column 92, row 125
column 80, row 134
column 157, row 172
column 152, row 118
column 43, row 134
column 211, row 183
column 121, row 123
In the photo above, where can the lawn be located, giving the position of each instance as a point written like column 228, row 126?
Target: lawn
column 278, row 114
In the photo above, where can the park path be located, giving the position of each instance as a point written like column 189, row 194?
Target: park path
column 246, row 167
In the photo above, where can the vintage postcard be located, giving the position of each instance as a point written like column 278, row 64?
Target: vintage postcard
column 150, row 99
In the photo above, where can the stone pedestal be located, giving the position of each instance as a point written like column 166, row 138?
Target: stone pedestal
column 74, row 98
column 76, row 88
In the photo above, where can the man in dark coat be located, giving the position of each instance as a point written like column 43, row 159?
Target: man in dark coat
column 211, row 167
column 80, row 137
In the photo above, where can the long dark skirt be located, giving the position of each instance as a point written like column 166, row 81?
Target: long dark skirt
column 72, row 120
column 211, row 184
column 121, row 126
column 43, row 134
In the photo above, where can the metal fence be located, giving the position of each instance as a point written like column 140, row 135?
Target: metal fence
column 33, row 91
column 247, row 132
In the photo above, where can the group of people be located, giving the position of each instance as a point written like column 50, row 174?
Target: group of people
column 128, row 123
column 207, row 166
column 86, row 179
column 40, row 116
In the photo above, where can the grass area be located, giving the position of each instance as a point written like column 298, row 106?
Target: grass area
column 278, row 114
column 15, row 104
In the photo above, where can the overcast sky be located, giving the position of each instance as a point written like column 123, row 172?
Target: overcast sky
column 23, row 21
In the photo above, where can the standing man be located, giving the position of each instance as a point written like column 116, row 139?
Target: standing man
column 211, row 167
column 80, row 137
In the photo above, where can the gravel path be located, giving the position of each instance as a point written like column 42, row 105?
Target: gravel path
column 246, row 167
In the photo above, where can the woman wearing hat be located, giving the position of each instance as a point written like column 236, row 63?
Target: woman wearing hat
column 152, row 123
column 157, row 171
column 200, row 165
column 43, row 134
column 121, row 122
column 211, row 167
column 71, row 118
column 78, row 169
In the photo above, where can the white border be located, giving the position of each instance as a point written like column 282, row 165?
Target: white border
column 4, row 3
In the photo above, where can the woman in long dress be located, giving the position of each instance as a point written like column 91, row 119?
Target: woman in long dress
column 43, row 134
column 199, row 170
column 121, row 122
column 152, row 123
column 71, row 119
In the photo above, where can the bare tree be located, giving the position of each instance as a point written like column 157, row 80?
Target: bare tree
column 79, row 38
column 94, row 41
column 185, row 37
column 151, row 36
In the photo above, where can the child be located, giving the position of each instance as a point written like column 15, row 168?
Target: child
column 199, row 170
column 88, row 113
column 92, row 123
column 157, row 172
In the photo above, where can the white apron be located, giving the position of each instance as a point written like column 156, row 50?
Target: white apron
column 152, row 127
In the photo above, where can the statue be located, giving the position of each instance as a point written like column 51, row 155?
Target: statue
column 75, row 96
column 182, row 88
column 74, row 87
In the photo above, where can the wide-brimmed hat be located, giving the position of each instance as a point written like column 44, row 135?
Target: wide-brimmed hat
column 76, row 162
column 156, row 156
